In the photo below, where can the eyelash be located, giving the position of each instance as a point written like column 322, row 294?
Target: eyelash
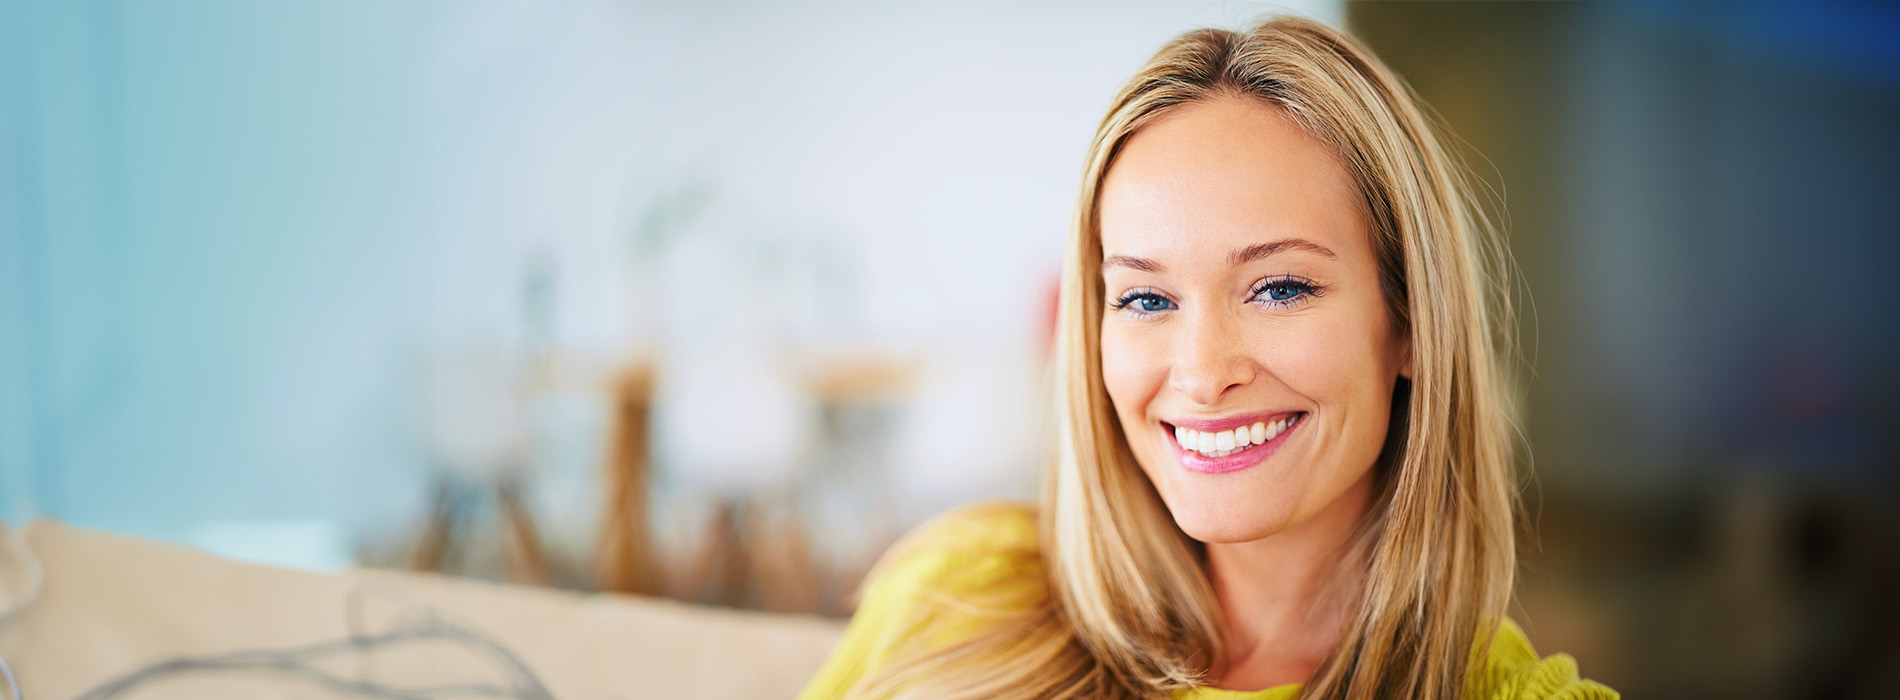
column 1303, row 290
column 1137, row 294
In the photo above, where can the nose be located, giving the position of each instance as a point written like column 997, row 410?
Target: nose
column 1210, row 358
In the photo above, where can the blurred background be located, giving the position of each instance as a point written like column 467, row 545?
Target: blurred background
column 713, row 300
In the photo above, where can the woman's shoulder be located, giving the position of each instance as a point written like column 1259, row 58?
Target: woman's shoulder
column 974, row 548
column 1513, row 671
column 990, row 525
column 944, row 581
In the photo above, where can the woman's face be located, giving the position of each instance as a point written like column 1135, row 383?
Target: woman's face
column 1246, row 343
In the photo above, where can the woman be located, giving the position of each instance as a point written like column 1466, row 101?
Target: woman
column 1285, row 454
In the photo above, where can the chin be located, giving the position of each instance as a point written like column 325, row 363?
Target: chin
column 1217, row 519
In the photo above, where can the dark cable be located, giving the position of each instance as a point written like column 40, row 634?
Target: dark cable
column 419, row 624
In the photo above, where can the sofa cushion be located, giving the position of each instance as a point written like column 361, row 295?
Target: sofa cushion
column 114, row 604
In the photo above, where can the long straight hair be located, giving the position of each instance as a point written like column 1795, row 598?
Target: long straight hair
column 1127, row 610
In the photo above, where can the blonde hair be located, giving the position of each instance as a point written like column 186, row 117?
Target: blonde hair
column 1127, row 611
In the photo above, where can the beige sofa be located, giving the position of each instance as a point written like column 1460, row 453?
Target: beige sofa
column 113, row 604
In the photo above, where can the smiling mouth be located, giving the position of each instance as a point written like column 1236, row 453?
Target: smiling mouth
column 1230, row 442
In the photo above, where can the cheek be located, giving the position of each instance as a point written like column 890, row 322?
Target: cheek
column 1343, row 365
column 1130, row 372
column 1328, row 365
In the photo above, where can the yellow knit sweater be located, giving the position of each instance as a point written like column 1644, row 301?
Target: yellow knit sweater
column 964, row 549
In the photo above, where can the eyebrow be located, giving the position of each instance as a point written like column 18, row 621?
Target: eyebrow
column 1239, row 257
column 1262, row 250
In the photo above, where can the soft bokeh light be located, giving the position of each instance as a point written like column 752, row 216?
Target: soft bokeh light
column 322, row 283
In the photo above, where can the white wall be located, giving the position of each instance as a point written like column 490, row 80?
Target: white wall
column 228, row 231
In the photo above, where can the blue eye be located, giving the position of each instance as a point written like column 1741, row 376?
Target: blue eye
column 1285, row 290
column 1151, row 303
column 1281, row 292
column 1143, row 302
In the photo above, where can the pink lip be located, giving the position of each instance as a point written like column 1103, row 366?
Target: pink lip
column 1197, row 462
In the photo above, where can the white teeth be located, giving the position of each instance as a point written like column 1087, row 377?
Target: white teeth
column 1228, row 442
column 1225, row 443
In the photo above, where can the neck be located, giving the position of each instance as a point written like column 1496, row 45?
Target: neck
column 1281, row 612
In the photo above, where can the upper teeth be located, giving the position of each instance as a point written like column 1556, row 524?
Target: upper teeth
column 1227, row 442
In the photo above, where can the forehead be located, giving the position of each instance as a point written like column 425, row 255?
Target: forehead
column 1223, row 174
